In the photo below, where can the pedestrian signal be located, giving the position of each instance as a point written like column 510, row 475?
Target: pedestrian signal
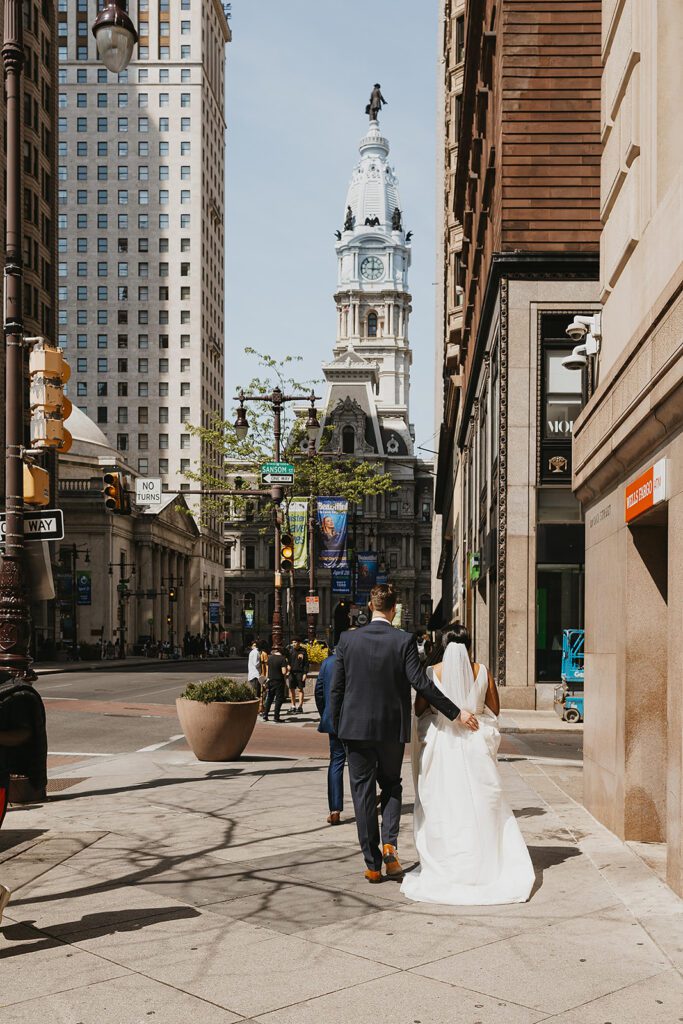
column 48, row 373
column 116, row 498
column 286, row 552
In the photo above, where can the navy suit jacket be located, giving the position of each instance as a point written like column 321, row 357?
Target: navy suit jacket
column 374, row 670
column 322, row 694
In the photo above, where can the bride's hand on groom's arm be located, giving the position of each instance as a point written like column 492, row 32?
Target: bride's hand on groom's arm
column 468, row 720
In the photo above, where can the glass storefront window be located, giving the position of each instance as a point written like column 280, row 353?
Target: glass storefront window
column 559, row 606
column 563, row 396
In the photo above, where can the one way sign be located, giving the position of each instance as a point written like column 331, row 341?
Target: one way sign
column 47, row 524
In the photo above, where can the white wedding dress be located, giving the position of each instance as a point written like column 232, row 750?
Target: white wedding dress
column 469, row 844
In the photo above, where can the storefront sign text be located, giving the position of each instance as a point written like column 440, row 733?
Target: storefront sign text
column 648, row 490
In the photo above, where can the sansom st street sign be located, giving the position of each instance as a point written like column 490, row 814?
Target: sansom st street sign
column 48, row 524
column 277, row 473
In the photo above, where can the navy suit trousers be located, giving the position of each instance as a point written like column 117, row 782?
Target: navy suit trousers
column 371, row 764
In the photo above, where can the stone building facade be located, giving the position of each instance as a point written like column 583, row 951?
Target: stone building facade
column 141, row 238
column 152, row 551
column 449, row 307
column 39, row 177
column 526, row 194
column 628, row 447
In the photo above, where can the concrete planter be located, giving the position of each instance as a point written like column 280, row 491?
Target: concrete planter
column 218, row 731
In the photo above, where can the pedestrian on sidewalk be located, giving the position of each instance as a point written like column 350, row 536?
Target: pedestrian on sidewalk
column 254, row 668
column 298, row 673
column 278, row 667
column 335, row 770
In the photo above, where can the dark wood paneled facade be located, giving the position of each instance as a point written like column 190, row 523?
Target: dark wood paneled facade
column 528, row 177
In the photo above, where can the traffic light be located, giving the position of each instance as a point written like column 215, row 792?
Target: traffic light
column 286, row 552
column 116, row 498
column 49, row 372
column 36, row 485
column 173, row 593
column 169, row 620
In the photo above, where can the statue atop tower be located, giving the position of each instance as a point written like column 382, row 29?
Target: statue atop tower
column 376, row 103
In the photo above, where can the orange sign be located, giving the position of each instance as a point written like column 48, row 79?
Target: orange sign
column 648, row 490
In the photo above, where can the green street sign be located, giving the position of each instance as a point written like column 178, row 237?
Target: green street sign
column 277, row 473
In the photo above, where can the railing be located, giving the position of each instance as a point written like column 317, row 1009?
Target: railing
column 92, row 484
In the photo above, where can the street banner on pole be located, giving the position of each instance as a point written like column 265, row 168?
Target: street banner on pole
column 84, row 588
column 333, row 514
column 367, row 574
column 341, row 581
column 298, row 527
column 214, row 612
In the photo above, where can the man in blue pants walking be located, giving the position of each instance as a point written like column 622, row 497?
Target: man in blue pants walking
column 335, row 772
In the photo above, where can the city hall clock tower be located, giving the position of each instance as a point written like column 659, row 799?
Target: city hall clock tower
column 372, row 297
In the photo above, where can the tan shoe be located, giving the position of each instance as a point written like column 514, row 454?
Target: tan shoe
column 391, row 862
column 373, row 876
column 334, row 818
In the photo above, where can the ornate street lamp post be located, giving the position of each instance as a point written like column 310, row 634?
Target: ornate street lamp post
column 14, row 611
column 276, row 399
column 115, row 36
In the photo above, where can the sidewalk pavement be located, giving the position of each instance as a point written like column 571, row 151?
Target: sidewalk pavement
column 155, row 887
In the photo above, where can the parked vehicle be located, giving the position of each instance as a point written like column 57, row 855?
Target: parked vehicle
column 569, row 694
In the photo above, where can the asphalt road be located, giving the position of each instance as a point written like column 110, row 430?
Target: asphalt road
column 133, row 709
column 121, row 710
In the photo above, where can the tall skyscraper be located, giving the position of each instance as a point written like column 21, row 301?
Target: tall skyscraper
column 141, row 237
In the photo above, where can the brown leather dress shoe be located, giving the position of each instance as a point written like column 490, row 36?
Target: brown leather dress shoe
column 391, row 862
column 373, row 876
column 334, row 818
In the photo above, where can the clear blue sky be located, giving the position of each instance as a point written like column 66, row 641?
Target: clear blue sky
column 298, row 77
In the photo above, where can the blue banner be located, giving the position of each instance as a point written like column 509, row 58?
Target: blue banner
column 84, row 588
column 214, row 612
column 341, row 581
column 366, row 573
column 333, row 516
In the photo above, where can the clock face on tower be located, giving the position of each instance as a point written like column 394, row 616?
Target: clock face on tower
column 372, row 268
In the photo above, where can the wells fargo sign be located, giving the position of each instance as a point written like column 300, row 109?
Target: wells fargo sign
column 648, row 490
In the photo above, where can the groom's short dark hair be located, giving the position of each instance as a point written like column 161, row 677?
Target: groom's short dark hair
column 383, row 597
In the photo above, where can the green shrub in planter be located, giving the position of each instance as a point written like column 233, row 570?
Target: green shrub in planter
column 220, row 690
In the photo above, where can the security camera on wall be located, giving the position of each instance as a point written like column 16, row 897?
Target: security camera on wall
column 577, row 360
column 578, row 328
column 585, row 330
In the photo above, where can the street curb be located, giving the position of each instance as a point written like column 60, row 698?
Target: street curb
column 512, row 730
column 118, row 666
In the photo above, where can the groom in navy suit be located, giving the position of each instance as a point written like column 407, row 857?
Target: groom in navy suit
column 370, row 707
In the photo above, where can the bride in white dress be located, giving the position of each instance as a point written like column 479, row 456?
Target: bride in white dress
column 470, row 848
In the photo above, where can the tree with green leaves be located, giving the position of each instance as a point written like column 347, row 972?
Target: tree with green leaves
column 321, row 474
